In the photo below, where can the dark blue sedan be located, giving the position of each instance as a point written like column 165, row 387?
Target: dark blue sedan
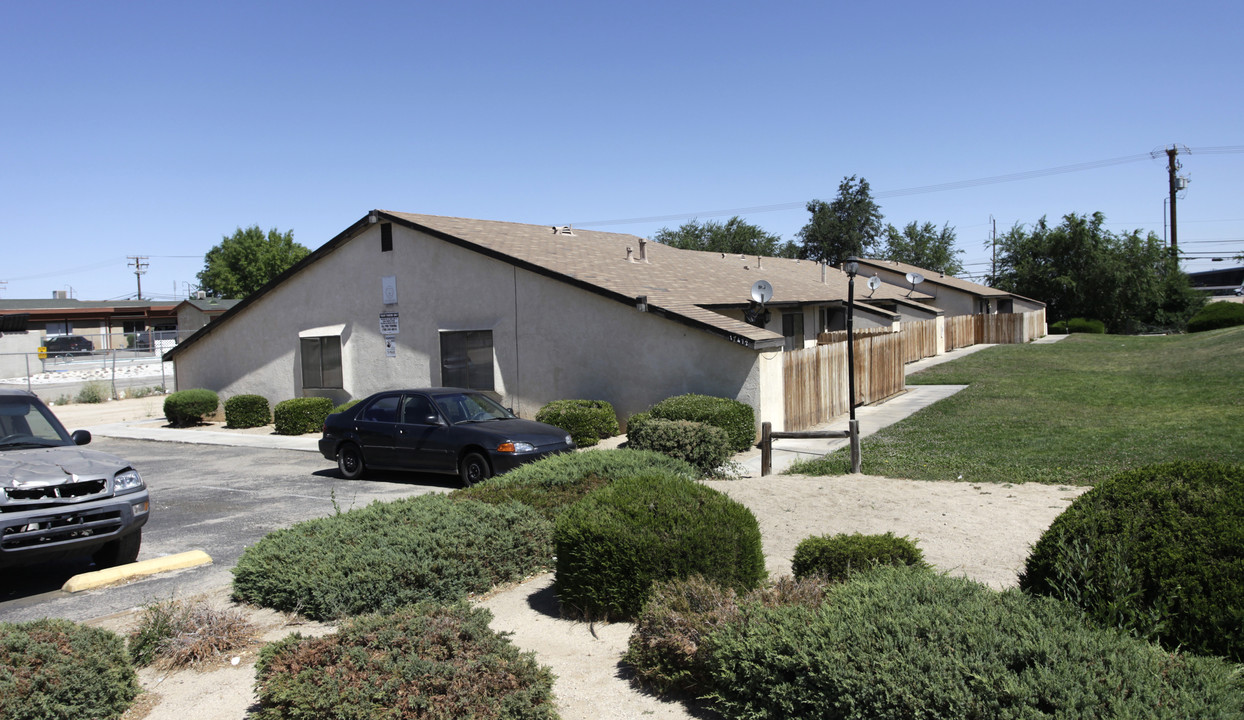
column 437, row 430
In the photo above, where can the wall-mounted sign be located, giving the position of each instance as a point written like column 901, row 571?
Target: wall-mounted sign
column 390, row 346
column 388, row 323
column 388, row 289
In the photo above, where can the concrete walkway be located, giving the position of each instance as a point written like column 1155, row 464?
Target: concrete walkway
column 154, row 430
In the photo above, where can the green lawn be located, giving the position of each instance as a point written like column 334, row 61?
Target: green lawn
column 1073, row 412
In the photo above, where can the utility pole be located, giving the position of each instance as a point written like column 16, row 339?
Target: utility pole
column 993, row 240
column 1172, row 166
column 140, row 267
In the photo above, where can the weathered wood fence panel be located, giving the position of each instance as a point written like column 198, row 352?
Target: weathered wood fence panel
column 816, row 377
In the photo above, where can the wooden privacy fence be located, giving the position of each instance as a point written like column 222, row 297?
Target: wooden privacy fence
column 1003, row 328
column 816, row 378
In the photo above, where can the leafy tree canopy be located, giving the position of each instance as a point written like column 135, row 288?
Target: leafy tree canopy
column 850, row 225
column 1080, row 270
column 923, row 246
column 248, row 260
column 733, row 236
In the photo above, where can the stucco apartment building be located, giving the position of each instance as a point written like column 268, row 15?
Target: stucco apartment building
column 533, row 313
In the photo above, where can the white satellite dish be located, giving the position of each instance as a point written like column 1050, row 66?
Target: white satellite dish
column 762, row 291
column 874, row 282
column 915, row 278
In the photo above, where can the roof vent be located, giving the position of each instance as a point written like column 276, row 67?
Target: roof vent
column 200, row 294
column 563, row 230
column 630, row 254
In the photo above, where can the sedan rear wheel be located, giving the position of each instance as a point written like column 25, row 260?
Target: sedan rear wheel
column 350, row 461
column 474, row 469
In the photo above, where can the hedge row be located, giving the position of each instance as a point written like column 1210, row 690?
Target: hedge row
column 736, row 418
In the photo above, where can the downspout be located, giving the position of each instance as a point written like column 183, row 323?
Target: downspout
column 517, row 375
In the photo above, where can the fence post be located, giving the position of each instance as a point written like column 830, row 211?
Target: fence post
column 854, row 426
column 766, row 448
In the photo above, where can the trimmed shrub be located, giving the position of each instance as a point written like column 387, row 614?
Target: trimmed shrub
column 902, row 643
column 347, row 405
column 1217, row 315
column 552, row 484
column 385, row 555
column 703, row 446
column 736, row 418
column 1058, row 328
column 834, row 557
column 587, row 421
column 636, row 421
column 247, row 411
column 1158, row 551
column 667, row 649
column 300, row 416
column 52, row 669
column 425, row 661
column 616, row 543
column 1080, row 325
column 189, row 407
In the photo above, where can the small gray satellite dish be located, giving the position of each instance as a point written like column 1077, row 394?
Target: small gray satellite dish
column 762, row 291
column 915, row 278
column 874, row 282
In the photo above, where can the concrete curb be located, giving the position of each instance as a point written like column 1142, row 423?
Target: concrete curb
column 100, row 578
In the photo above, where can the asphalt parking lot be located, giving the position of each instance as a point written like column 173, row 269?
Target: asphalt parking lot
column 215, row 499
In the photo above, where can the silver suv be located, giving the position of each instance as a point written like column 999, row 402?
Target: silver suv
column 58, row 499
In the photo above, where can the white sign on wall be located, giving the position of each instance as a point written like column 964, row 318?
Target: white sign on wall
column 388, row 323
column 390, row 346
column 388, row 289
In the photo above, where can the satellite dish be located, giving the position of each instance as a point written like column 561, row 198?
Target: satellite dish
column 915, row 278
column 874, row 282
column 762, row 291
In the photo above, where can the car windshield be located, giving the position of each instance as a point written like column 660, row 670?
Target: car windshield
column 25, row 423
column 470, row 407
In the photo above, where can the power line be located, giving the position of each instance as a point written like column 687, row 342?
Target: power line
column 919, row 190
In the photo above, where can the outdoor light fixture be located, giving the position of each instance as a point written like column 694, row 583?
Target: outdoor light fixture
column 851, row 267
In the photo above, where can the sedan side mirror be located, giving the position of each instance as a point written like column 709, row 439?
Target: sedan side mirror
column 81, row 437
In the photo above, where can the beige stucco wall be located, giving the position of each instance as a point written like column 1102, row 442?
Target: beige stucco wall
column 551, row 340
column 950, row 300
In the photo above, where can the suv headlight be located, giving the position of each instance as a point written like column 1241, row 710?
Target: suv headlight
column 127, row 480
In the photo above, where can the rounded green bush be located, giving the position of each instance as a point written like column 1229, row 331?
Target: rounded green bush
column 587, row 421
column 834, row 557
column 247, row 411
column 613, row 545
column 703, row 446
column 52, row 669
column 636, row 421
column 899, row 643
column 300, row 416
column 385, row 555
column 736, row 418
column 1080, row 325
column 1158, row 551
column 1217, row 315
column 189, row 407
column 424, row 661
column 556, row 482
column 347, row 405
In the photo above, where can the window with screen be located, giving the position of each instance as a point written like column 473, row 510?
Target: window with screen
column 321, row 362
column 466, row 359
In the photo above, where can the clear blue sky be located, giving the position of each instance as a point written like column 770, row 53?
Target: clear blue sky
column 155, row 128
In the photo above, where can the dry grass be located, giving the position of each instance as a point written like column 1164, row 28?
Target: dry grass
column 181, row 633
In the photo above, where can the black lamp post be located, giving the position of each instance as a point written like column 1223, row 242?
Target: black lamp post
column 852, row 267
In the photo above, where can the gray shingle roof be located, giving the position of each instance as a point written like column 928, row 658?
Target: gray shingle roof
column 934, row 277
column 682, row 282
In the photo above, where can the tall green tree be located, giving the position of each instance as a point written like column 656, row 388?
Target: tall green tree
column 247, row 260
column 1129, row 281
column 733, row 236
column 923, row 246
column 850, row 225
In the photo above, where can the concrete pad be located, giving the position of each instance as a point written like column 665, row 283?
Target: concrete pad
column 101, row 578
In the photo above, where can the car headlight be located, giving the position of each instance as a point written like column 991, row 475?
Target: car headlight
column 127, row 480
column 515, row 447
column 569, row 440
